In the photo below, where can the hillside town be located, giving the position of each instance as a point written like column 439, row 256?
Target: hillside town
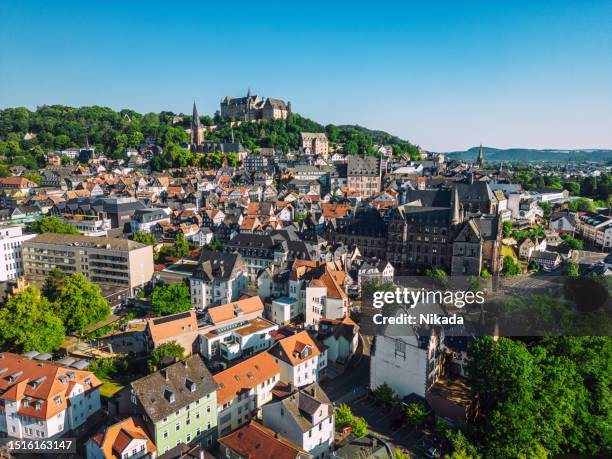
column 212, row 308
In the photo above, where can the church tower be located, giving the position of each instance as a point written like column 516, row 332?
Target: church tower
column 480, row 159
column 197, row 130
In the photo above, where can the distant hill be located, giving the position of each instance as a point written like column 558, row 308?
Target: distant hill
column 529, row 154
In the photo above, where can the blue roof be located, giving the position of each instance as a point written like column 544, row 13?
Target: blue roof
column 285, row 300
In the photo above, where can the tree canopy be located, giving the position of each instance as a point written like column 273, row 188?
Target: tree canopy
column 170, row 299
column 53, row 225
column 54, row 283
column 144, row 237
column 80, row 303
column 164, row 353
column 540, row 397
column 28, row 323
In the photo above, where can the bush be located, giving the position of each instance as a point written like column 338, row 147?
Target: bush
column 384, row 393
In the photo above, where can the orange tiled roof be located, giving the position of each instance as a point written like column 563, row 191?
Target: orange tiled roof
column 258, row 442
column 244, row 376
column 335, row 210
column 172, row 326
column 117, row 437
column 293, row 345
column 38, row 386
column 226, row 311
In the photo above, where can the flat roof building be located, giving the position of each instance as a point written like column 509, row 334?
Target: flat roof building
column 101, row 260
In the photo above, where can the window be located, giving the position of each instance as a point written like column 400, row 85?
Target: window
column 178, row 426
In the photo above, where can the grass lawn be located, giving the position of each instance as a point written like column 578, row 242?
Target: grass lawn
column 507, row 251
column 110, row 387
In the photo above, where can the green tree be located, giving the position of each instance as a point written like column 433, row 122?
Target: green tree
column 166, row 352
column 170, row 299
column 546, row 209
column 34, row 177
column 438, row 275
column 28, row 323
column 503, row 376
column 359, row 426
column 345, row 418
column 54, row 283
column 80, row 303
column 344, row 415
column 473, row 284
column 384, row 393
column 398, row 454
column 572, row 269
column 144, row 237
column 181, row 246
column 232, row 159
column 510, row 267
column 572, row 242
column 507, row 228
column 582, row 204
column 53, row 225
column 415, row 413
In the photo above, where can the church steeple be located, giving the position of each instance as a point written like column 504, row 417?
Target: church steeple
column 455, row 207
column 195, row 119
column 197, row 130
column 480, row 159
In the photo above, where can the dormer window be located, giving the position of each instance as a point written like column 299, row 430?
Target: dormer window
column 169, row 396
column 57, row 400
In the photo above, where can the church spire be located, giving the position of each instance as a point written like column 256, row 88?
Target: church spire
column 480, row 159
column 195, row 120
column 456, row 207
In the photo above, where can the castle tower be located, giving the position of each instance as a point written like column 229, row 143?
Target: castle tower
column 197, row 130
column 480, row 159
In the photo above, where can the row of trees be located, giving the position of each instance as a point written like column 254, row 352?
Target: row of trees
column 35, row 320
column 175, row 155
column 598, row 188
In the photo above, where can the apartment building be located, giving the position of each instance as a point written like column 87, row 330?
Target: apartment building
column 11, row 260
column 302, row 360
column 41, row 399
column 244, row 389
column 306, row 417
column 178, row 404
column 238, row 339
column 101, row 260
column 595, row 229
column 315, row 143
column 364, row 175
column 219, row 279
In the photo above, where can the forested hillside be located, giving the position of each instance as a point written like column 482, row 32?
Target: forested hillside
column 57, row 127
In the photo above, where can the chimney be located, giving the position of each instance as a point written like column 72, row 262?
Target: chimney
column 275, row 434
column 164, row 373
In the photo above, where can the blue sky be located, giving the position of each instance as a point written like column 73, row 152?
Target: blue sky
column 446, row 75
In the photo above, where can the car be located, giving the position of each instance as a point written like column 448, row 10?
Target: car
column 432, row 453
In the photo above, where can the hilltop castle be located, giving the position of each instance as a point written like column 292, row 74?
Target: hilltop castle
column 253, row 107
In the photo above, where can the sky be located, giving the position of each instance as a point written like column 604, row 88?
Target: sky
column 446, row 75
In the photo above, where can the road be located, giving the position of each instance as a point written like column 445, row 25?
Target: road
column 355, row 377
